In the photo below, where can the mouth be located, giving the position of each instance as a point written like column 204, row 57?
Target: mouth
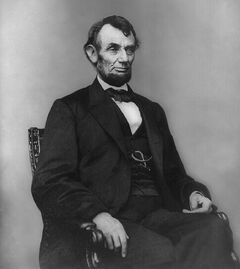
column 121, row 69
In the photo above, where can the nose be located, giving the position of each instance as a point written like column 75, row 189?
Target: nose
column 123, row 57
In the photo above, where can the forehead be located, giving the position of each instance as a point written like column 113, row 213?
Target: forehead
column 109, row 34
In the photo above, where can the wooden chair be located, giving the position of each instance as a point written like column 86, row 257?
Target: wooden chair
column 91, row 234
column 93, row 238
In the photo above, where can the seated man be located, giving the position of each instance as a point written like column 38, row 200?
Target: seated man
column 108, row 157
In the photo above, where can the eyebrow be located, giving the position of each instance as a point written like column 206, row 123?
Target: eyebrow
column 130, row 47
column 113, row 45
column 117, row 46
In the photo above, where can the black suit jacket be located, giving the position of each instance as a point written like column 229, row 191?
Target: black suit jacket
column 83, row 166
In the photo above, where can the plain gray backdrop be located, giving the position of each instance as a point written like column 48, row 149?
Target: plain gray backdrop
column 189, row 61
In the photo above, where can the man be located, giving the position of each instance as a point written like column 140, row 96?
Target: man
column 108, row 157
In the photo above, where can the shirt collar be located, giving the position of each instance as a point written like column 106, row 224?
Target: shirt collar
column 107, row 86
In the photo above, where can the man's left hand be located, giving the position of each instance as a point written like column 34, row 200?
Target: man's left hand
column 199, row 204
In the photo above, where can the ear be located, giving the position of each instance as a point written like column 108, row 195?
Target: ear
column 92, row 53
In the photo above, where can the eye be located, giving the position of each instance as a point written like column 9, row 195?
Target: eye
column 130, row 50
column 113, row 49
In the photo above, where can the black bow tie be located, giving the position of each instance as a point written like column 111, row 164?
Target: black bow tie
column 120, row 95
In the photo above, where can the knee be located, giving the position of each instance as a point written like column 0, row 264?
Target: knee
column 217, row 226
column 215, row 221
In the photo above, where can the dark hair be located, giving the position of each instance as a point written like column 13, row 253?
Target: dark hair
column 116, row 21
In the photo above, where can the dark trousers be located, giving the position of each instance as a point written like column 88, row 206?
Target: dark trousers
column 171, row 240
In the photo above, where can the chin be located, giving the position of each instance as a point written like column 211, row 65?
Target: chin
column 117, row 79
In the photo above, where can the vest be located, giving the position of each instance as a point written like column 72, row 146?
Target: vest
column 140, row 158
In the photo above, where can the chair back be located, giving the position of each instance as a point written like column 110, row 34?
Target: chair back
column 35, row 137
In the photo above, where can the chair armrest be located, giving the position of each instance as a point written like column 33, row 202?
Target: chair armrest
column 92, row 236
column 220, row 214
column 223, row 216
column 94, row 239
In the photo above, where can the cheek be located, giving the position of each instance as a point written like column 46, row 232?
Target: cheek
column 106, row 64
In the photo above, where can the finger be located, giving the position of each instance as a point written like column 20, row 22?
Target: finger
column 186, row 211
column 207, row 204
column 109, row 242
column 99, row 237
column 198, row 210
column 116, row 242
column 210, row 209
column 123, row 240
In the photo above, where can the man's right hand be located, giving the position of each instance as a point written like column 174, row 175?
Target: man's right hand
column 114, row 233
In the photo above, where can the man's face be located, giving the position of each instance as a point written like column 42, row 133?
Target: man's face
column 115, row 55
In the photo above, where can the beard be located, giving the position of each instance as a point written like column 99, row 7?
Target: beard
column 113, row 79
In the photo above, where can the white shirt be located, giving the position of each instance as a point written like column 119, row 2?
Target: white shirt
column 129, row 109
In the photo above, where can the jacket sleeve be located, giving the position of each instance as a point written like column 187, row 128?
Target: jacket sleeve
column 57, row 188
column 178, row 181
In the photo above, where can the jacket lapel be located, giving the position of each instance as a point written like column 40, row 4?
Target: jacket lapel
column 102, row 109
